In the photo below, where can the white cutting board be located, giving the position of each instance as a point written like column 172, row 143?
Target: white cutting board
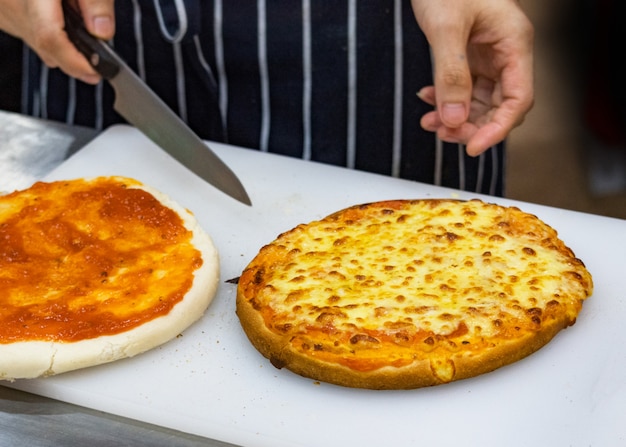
column 211, row 382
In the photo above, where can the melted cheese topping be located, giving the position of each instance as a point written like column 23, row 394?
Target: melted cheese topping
column 85, row 258
column 395, row 281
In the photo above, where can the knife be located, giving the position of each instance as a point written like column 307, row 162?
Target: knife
column 142, row 108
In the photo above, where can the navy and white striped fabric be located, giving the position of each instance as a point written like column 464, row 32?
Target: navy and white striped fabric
column 333, row 81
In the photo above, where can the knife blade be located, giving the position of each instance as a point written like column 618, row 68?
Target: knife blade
column 142, row 108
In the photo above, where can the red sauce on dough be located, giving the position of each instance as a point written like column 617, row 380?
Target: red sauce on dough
column 84, row 259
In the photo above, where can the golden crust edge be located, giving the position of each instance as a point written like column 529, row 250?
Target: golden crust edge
column 419, row 374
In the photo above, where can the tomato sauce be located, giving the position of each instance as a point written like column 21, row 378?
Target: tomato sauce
column 81, row 259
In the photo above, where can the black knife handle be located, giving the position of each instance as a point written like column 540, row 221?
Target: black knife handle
column 92, row 48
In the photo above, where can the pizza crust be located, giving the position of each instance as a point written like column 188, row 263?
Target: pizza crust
column 264, row 281
column 32, row 359
column 423, row 373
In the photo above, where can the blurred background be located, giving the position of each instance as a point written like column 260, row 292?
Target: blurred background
column 571, row 150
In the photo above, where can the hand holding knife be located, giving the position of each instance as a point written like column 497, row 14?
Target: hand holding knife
column 142, row 108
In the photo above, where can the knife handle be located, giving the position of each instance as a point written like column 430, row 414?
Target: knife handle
column 94, row 49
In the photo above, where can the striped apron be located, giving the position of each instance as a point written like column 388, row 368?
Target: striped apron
column 332, row 81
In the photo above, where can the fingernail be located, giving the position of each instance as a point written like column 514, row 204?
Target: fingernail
column 453, row 114
column 103, row 26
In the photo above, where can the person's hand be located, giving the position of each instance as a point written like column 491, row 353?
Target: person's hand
column 39, row 23
column 483, row 69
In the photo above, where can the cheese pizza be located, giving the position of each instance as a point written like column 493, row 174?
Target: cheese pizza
column 95, row 270
column 410, row 293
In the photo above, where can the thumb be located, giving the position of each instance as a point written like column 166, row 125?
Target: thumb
column 452, row 77
column 99, row 17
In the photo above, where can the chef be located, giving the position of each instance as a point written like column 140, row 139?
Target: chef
column 424, row 90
